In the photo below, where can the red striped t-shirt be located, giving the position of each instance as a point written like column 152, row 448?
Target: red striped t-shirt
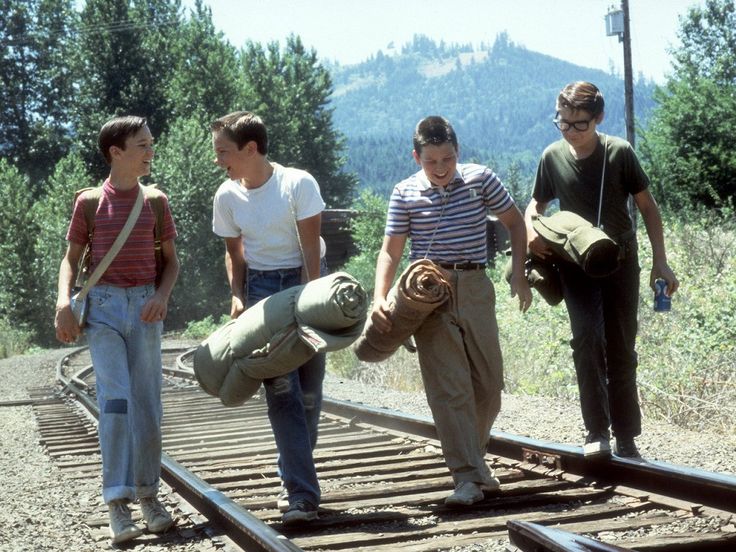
column 135, row 264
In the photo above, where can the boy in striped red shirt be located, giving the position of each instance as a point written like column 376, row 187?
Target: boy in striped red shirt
column 124, row 326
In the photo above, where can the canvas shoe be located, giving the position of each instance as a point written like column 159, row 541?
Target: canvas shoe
column 158, row 519
column 492, row 484
column 282, row 501
column 466, row 493
column 300, row 512
column 122, row 528
column 626, row 448
column 596, row 444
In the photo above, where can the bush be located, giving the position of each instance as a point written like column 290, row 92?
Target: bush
column 14, row 340
column 201, row 329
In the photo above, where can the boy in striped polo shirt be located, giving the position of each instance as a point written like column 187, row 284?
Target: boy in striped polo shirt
column 124, row 326
column 442, row 210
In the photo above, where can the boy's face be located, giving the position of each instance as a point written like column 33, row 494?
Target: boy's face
column 572, row 121
column 138, row 153
column 229, row 157
column 439, row 163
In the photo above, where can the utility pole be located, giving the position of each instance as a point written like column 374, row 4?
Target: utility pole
column 618, row 23
column 628, row 79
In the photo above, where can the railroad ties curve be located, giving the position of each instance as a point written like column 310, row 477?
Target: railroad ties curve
column 384, row 480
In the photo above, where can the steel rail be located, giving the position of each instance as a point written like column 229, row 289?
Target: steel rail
column 694, row 485
column 241, row 526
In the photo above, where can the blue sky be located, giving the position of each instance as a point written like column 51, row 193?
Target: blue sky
column 349, row 31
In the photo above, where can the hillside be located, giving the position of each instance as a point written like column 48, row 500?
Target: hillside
column 500, row 99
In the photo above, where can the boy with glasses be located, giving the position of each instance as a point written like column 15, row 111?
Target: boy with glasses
column 594, row 175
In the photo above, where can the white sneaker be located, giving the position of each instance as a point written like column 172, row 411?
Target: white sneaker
column 466, row 493
column 282, row 501
column 158, row 519
column 122, row 528
column 491, row 485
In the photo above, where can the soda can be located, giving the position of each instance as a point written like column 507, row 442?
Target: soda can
column 662, row 301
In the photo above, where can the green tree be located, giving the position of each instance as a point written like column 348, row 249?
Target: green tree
column 688, row 147
column 293, row 92
column 123, row 64
column 52, row 212
column 36, row 93
column 183, row 169
column 206, row 82
column 17, row 234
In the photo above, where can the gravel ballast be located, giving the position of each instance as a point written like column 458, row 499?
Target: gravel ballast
column 38, row 513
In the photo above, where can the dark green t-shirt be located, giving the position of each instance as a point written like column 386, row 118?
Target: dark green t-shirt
column 577, row 182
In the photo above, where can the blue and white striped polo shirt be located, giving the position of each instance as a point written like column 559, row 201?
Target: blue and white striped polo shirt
column 451, row 222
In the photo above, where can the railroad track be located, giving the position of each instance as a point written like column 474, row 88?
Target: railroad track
column 384, row 480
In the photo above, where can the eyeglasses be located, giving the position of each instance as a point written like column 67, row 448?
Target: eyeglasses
column 577, row 125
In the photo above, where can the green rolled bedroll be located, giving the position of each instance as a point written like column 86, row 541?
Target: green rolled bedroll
column 278, row 334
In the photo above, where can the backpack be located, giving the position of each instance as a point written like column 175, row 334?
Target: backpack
column 90, row 198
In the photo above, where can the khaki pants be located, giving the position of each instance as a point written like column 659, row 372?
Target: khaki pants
column 462, row 370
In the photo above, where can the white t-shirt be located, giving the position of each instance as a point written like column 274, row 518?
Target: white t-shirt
column 264, row 217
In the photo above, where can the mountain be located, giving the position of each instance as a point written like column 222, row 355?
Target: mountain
column 500, row 99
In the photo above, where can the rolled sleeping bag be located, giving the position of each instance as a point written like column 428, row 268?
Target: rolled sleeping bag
column 419, row 290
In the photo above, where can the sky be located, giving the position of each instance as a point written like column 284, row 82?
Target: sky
column 349, row 31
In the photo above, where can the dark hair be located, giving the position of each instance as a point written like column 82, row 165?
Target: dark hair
column 115, row 131
column 242, row 127
column 434, row 131
column 581, row 95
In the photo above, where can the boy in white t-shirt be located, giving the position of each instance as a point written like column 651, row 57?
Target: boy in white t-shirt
column 270, row 218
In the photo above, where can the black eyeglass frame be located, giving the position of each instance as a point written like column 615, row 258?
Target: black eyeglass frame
column 564, row 126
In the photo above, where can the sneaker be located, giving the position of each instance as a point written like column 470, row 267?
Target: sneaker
column 466, row 493
column 299, row 512
column 122, row 528
column 597, row 444
column 158, row 519
column 626, row 448
column 282, row 501
column 491, row 485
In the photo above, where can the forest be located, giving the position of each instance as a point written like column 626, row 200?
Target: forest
column 67, row 67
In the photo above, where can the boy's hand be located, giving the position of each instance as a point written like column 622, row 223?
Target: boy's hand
column 236, row 307
column 380, row 316
column 538, row 246
column 67, row 329
column 155, row 309
column 520, row 287
column 663, row 270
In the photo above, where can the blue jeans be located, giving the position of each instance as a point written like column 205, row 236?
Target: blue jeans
column 126, row 355
column 294, row 400
column 603, row 318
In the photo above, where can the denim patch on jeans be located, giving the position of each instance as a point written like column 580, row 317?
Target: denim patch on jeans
column 294, row 400
column 126, row 355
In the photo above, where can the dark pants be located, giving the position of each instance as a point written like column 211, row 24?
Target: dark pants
column 294, row 400
column 603, row 317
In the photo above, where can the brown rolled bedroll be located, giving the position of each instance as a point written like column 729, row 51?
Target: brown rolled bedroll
column 419, row 290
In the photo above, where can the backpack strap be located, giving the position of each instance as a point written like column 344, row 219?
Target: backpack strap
column 156, row 201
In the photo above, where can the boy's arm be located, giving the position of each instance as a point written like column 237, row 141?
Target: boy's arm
column 514, row 223
column 67, row 329
column 653, row 222
column 386, row 264
column 309, row 242
column 157, row 306
column 534, row 243
column 236, row 268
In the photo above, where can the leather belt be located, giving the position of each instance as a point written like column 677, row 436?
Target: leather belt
column 463, row 266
